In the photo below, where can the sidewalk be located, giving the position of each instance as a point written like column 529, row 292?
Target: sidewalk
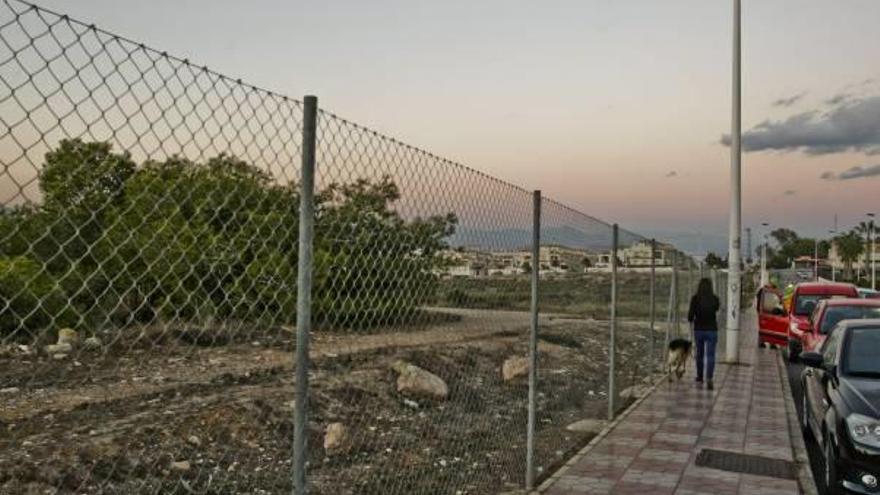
column 653, row 449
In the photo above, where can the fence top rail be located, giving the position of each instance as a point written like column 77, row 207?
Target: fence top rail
column 56, row 18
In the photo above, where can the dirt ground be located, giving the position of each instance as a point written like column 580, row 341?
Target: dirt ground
column 175, row 415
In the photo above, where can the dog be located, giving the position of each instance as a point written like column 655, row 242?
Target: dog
column 679, row 353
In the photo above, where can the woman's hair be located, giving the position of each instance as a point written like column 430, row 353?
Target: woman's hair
column 704, row 289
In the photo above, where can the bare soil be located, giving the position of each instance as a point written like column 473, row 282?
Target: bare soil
column 128, row 419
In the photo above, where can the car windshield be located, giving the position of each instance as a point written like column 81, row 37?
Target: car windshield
column 806, row 303
column 861, row 352
column 836, row 314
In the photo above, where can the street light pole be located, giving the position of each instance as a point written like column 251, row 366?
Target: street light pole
column 765, row 278
column 735, row 232
column 873, row 254
column 830, row 261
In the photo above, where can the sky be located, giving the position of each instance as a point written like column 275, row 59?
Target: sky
column 616, row 108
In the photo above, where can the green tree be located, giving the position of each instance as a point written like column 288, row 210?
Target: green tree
column 849, row 248
column 84, row 174
column 182, row 240
column 30, row 299
column 784, row 236
column 714, row 261
column 371, row 265
column 186, row 234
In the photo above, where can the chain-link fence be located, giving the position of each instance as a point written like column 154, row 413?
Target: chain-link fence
column 156, row 221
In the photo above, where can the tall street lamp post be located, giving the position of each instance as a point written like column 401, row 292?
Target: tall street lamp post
column 873, row 242
column 735, row 233
column 830, row 261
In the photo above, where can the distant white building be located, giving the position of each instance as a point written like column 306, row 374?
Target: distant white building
column 465, row 263
column 470, row 262
column 564, row 259
column 639, row 256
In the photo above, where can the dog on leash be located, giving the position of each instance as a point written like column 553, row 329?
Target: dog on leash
column 679, row 353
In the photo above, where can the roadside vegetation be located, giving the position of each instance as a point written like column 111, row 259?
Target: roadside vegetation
column 115, row 243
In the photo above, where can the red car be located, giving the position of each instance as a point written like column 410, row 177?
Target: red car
column 830, row 312
column 772, row 317
column 803, row 302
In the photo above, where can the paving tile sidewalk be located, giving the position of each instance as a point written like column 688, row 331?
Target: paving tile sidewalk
column 652, row 450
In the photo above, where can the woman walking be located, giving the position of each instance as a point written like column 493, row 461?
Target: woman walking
column 702, row 314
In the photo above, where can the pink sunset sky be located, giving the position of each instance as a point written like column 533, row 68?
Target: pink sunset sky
column 615, row 108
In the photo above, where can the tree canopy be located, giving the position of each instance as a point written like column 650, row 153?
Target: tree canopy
column 114, row 243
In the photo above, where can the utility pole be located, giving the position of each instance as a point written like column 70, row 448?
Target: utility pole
column 830, row 261
column 765, row 277
column 873, row 253
column 749, row 246
column 735, row 232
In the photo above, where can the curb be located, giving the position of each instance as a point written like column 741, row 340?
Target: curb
column 805, row 478
column 545, row 485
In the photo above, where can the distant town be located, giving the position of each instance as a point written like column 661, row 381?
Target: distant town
column 479, row 262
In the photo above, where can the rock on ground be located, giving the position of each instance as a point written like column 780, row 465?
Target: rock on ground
column 335, row 436
column 634, row 392
column 92, row 343
column 514, row 367
column 62, row 348
column 587, row 426
column 67, row 336
column 412, row 380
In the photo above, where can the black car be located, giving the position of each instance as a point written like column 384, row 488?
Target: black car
column 842, row 405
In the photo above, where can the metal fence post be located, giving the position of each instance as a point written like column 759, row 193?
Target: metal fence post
column 668, row 328
column 612, row 343
column 676, row 311
column 304, row 293
column 653, row 304
column 533, row 340
column 690, row 267
column 715, row 285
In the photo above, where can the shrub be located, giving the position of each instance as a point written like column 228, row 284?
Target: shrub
column 30, row 299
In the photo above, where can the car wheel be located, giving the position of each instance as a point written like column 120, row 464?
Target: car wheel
column 805, row 413
column 832, row 483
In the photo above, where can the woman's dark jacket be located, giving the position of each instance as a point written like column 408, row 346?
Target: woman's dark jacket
column 702, row 312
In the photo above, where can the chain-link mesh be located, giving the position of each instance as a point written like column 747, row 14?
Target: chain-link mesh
column 147, row 244
column 148, row 266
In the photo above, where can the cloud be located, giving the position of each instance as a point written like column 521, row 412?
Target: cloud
column 671, row 173
column 790, row 192
column 791, row 100
column 854, row 126
column 838, row 99
column 857, row 172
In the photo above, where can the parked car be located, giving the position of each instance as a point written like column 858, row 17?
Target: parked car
column 772, row 317
column 830, row 312
column 842, row 405
column 869, row 293
column 803, row 302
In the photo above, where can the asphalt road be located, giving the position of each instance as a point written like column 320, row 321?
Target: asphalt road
column 816, row 459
